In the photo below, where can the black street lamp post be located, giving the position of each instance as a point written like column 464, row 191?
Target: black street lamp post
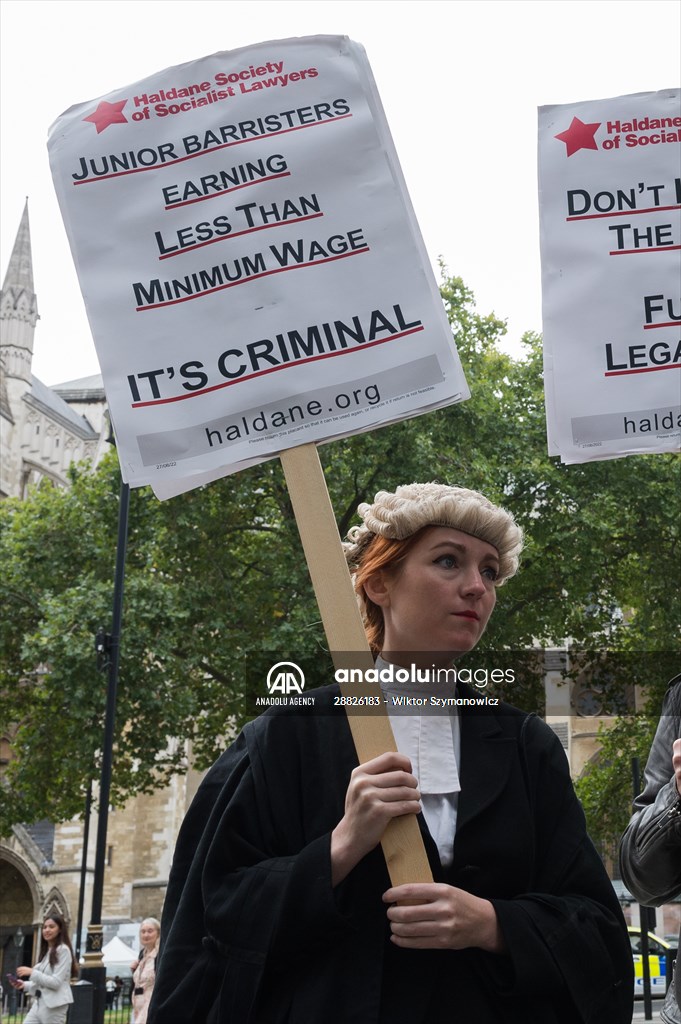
column 83, row 872
column 108, row 651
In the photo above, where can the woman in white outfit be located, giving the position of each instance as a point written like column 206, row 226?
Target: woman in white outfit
column 49, row 982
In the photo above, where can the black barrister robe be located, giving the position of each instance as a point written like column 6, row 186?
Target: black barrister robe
column 253, row 932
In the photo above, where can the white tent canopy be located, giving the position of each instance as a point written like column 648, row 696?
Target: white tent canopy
column 116, row 952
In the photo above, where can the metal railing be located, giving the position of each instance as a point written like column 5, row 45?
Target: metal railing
column 118, row 1009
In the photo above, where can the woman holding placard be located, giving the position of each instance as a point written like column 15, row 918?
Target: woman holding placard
column 280, row 909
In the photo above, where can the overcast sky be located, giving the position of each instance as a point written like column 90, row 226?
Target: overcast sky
column 460, row 83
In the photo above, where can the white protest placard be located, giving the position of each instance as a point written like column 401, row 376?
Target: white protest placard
column 250, row 262
column 610, row 217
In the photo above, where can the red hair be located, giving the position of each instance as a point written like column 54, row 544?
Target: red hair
column 382, row 554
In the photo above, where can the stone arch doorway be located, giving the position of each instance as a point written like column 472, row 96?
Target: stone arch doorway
column 19, row 899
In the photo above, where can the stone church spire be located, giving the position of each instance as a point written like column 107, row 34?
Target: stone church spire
column 18, row 307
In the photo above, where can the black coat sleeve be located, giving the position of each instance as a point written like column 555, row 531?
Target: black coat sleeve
column 188, row 972
column 251, row 879
column 566, row 939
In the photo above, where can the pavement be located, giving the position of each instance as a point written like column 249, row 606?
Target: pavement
column 639, row 1016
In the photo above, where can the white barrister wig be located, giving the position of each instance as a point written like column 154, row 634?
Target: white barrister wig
column 415, row 506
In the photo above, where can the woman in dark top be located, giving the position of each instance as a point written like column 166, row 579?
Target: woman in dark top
column 279, row 907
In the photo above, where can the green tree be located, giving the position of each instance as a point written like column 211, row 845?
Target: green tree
column 216, row 582
column 605, row 787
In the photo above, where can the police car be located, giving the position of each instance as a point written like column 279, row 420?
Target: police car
column 660, row 955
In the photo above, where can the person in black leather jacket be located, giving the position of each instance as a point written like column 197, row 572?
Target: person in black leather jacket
column 650, row 849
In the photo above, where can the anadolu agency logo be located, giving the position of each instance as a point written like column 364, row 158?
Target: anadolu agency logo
column 285, row 677
column 285, row 685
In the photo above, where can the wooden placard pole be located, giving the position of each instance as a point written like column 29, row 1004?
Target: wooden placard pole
column 402, row 844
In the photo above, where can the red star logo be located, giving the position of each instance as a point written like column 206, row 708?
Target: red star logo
column 106, row 114
column 579, row 136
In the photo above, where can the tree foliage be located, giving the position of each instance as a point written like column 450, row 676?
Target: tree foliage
column 606, row 786
column 216, row 583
